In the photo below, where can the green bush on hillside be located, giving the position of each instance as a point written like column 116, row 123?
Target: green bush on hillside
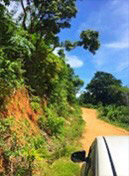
column 51, row 123
column 12, row 151
column 11, row 76
column 35, row 103
column 35, row 106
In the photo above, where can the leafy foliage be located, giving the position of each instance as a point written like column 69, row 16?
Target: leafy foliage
column 88, row 40
column 116, row 114
column 51, row 123
column 26, row 58
column 11, row 151
column 46, row 15
column 11, row 76
column 35, row 103
column 107, row 94
column 42, row 16
column 104, row 88
column 47, row 75
column 20, row 45
column 7, row 26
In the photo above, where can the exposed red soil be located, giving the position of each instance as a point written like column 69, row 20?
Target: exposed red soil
column 20, row 109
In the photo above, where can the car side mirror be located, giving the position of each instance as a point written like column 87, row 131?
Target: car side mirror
column 79, row 156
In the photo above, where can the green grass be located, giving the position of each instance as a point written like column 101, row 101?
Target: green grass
column 117, row 124
column 64, row 167
column 115, row 115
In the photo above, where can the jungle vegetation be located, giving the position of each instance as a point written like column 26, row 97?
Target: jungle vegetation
column 27, row 42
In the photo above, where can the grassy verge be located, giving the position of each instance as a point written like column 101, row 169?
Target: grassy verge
column 117, row 124
column 66, row 145
column 115, row 115
column 64, row 167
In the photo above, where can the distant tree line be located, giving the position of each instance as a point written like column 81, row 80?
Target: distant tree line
column 104, row 88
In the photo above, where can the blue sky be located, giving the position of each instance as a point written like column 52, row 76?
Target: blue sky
column 111, row 19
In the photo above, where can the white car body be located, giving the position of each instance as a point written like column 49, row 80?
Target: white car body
column 118, row 147
column 108, row 156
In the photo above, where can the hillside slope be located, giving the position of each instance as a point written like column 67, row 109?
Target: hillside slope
column 34, row 141
column 19, row 121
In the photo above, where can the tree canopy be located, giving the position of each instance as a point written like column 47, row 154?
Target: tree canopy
column 48, row 18
column 103, row 88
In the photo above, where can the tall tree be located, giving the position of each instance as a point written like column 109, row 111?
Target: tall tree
column 104, row 88
column 47, row 18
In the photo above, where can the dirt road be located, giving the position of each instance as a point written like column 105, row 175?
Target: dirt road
column 96, row 127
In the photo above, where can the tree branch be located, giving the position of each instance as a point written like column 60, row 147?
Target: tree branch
column 25, row 16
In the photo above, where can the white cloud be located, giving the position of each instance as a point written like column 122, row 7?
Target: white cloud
column 78, row 94
column 111, row 60
column 118, row 45
column 93, row 23
column 56, row 51
column 74, row 61
column 116, row 29
column 123, row 65
column 122, row 41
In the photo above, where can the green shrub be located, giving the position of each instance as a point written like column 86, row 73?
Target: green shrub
column 5, row 125
column 11, row 72
column 37, row 142
column 35, row 99
column 75, row 129
column 51, row 123
column 35, row 103
column 5, row 130
column 62, row 109
column 11, row 76
column 12, row 151
column 88, row 106
column 116, row 114
column 76, row 124
column 64, row 149
column 35, row 106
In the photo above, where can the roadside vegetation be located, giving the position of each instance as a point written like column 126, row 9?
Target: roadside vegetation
column 43, row 153
column 40, row 119
column 109, row 97
column 117, row 115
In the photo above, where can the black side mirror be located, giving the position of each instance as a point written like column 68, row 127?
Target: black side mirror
column 79, row 156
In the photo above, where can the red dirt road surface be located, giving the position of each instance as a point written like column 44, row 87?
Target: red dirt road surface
column 96, row 127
